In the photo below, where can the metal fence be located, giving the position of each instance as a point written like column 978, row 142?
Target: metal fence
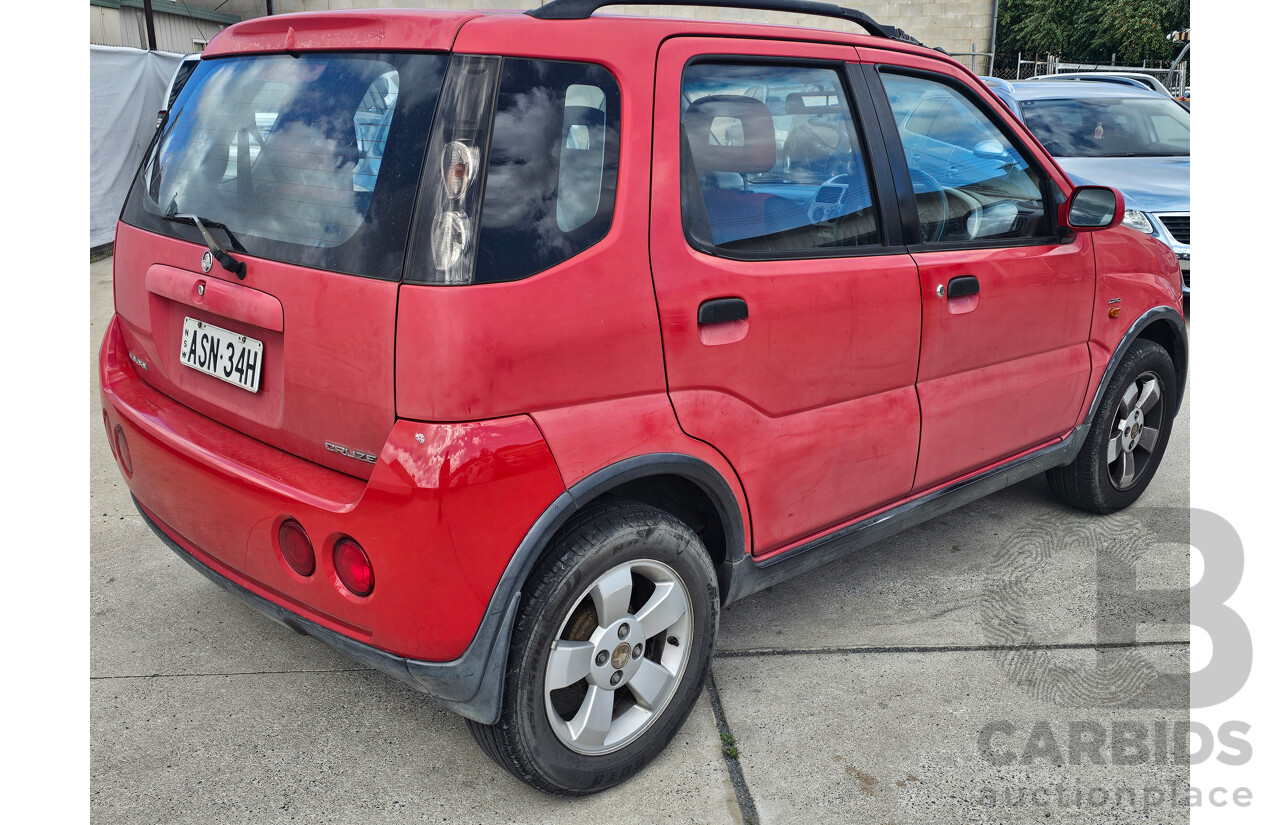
column 1020, row 66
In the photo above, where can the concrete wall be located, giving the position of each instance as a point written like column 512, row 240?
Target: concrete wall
column 955, row 25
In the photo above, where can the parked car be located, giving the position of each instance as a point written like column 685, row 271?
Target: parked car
column 631, row 318
column 1141, row 79
column 1135, row 140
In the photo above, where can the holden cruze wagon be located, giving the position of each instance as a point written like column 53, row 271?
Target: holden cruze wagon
column 500, row 351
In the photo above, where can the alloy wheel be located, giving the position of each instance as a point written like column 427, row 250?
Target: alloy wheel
column 1135, row 431
column 618, row 657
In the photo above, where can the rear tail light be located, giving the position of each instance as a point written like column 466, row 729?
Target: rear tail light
column 458, row 168
column 449, row 236
column 353, row 567
column 459, row 142
column 296, row 548
column 122, row 451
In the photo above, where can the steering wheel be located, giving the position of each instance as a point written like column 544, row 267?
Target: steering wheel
column 819, row 212
column 931, row 186
column 974, row 213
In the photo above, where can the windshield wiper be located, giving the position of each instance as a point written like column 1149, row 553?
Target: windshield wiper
column 220, row 254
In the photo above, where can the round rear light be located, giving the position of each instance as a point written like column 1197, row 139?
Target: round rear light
column 353, row 567
column 296, row 548
column 458, row 168
column 449, row 235
column 122, row 450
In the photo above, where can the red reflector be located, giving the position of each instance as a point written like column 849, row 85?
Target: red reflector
column 353, row 567
column 122, row 450
column 296, row 548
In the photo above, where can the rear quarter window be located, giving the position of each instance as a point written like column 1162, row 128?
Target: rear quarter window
column 552, row 169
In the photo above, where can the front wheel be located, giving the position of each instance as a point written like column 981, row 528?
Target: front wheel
column 1127, row 438
column 609, row 653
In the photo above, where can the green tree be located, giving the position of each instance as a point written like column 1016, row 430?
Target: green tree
column 1091, row 30
column 1136, row 29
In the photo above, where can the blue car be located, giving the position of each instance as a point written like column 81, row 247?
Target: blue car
column 1134, row 140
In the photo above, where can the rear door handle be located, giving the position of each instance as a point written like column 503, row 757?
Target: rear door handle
column 962, row 286
column 722, row 310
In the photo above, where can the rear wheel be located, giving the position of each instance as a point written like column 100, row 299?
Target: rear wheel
column 609, row 652
column 1128, row 437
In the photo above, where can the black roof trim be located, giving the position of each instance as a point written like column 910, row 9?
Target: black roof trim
column 582, row 9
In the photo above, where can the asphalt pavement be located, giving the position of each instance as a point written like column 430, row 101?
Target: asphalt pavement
column 1011, row 661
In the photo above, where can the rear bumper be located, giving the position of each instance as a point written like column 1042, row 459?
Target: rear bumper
column 368, row 655
column 440, row 518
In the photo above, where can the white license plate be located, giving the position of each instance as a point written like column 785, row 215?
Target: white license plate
column 230, row 356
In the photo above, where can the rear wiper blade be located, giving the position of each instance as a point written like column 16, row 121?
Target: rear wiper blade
column 220, row 254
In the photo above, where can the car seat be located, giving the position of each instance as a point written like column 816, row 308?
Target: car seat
column 732, row 213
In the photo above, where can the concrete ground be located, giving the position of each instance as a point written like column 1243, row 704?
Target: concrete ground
column 949, row 674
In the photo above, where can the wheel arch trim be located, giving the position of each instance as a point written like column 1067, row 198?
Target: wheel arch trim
column 1169, row 318
column 473, row 684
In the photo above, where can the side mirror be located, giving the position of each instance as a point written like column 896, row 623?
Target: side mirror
column 989, row 149
column 1091, row 208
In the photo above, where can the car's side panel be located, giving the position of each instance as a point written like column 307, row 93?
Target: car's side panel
column 588, row 438
column 1161, row 320
column 583, row 331
column 1010, row 372
column 811, row 398
column 1136, row 272
column 1004, row 368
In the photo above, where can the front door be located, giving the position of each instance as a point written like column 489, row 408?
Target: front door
column 1004, row 359
column 790, row 309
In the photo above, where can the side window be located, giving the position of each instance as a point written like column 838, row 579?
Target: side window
column 552, row 170
column 970, row 182
column 775, row 156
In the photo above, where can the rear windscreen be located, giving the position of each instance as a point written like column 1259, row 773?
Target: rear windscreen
column 311, row 160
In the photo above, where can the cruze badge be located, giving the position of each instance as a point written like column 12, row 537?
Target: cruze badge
column 206, row 261
column 350, row 453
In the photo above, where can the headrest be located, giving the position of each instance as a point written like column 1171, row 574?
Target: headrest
column 758, row 151
column 586, row 118
column 583, row 116
column 813, row 103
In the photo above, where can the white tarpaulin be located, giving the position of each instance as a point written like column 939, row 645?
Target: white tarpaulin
column 126, row 89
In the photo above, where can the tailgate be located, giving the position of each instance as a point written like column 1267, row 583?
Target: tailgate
column 304, row 168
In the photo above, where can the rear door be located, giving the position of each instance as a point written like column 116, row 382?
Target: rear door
column 1004, row 359
column 789, row 307
column 303, row 166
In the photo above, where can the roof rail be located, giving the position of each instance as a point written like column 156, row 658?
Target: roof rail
column 582, row 9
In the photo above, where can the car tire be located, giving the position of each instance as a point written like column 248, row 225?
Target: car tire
column 620, row 575
column 1128, row 436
